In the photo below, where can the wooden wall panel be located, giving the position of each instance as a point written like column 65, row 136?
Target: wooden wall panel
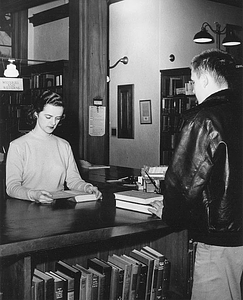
column 88, row 72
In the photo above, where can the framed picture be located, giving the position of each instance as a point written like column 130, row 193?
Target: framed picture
column 145, row 112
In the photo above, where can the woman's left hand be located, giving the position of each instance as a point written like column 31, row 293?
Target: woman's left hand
column 94, row 190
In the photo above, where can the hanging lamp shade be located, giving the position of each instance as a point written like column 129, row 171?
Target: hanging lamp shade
column 203, row 37
column 231, row 39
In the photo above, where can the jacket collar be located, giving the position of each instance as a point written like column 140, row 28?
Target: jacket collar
column 215, row 99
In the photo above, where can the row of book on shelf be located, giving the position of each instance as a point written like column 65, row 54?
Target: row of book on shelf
column 46, row 80
column 177, row 104
column 140, row 275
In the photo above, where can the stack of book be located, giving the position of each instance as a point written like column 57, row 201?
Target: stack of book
column 136, row 200
column 139, row 275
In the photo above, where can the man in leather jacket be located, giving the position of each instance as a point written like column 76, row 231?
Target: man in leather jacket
column 203, row 183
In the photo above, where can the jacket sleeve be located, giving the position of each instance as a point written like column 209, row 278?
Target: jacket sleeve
column 188, row 173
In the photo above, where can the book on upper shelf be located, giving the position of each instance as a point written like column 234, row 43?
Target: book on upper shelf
column 60, row 286
column 72, row 272
column 150, row 263
column 133, row 292
column 74, row 195
column 100, row 284
column 70, row 284
column 127, row 267
column 155, row 281
column 48, row 284
column 160, row 260
column 142, row 208
column 103, row 268
column 85, row 283
column 139, row 197
column 37, row 288
column 163, row 272
column 117, row 275
column 141, row 277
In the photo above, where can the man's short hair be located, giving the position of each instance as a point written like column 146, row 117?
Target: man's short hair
column 218, row 63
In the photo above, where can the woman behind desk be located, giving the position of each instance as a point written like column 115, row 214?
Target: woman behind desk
column 39, row 162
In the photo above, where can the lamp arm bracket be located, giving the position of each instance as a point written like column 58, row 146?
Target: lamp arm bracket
column 217, row 30
column 113, row 66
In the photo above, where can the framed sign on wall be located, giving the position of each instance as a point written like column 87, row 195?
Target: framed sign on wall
column 145, row 112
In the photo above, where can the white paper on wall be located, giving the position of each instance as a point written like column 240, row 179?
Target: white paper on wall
column 97, row 120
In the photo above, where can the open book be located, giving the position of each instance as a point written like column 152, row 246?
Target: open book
column 74, row 195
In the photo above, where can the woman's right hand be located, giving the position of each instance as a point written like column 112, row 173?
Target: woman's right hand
column 41, row 196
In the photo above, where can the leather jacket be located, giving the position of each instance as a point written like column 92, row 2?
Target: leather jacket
column 203, row 184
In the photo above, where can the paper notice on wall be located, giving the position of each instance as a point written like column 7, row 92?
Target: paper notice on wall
column 97, row 120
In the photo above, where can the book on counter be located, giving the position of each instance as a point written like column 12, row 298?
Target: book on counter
column 74, row 195
column 139, row 197
column 48, row 284
column 143, row 208
column 104, row 268
column 72, row 272
column 95, row 167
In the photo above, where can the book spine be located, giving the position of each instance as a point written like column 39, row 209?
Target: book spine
column 166, row 279
column 101, row 288
column 94, row 287
column 82, row 292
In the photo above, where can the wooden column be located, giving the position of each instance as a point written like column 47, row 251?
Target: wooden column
column 20, row 34
column 88, row 34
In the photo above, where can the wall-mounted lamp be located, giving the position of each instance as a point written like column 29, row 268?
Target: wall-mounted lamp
column 123, row 60
column 11, row 70
column 204, row 37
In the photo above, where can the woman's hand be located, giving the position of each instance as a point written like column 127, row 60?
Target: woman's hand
column 157, row 208
column 40, row 196
column 94, row 190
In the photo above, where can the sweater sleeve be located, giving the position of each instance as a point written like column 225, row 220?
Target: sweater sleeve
column 14, row 171
column 73, row 179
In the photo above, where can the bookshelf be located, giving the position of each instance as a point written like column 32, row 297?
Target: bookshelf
column 176, row 97
column 14, row 105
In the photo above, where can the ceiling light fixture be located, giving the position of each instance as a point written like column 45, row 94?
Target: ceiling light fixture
column 204, row 37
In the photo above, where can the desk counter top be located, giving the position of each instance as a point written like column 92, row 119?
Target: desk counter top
column 27, row 227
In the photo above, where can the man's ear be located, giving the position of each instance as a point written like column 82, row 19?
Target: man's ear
column 205, row 79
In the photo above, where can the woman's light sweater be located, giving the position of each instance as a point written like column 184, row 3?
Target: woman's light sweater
column 41, row 163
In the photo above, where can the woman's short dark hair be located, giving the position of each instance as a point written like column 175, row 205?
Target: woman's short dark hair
column 47, row 97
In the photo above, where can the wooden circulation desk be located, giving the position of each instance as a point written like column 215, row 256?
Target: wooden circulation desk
column 35, row 235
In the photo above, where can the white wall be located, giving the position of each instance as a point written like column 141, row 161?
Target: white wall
column 48, row 41
column 148, row 32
